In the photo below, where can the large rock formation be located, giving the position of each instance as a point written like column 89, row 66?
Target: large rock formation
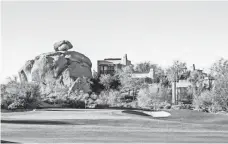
column 59, row 68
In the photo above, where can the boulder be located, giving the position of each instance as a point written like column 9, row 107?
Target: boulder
column 25, row 71
column 63, row 45
column 56, row 68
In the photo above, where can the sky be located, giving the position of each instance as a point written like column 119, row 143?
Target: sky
column 160, row 32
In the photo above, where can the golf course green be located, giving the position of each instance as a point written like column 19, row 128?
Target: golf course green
column 110, row 125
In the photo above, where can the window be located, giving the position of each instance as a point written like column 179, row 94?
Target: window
column 105, row 68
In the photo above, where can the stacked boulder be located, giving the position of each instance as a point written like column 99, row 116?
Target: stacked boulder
column 61, row 67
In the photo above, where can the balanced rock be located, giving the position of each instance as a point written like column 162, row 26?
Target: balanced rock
column 63, row 45
column 58, row 68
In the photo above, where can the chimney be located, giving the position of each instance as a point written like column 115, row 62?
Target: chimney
column 194, row 67
column 124, row 60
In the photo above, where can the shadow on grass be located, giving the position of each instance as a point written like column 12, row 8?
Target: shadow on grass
column 42, row 122
column 135, row 112
column 3, row 141
column 17, row 110
column 124, row 108
column 96, row 108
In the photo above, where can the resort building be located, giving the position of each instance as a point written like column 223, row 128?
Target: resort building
column 110, row 65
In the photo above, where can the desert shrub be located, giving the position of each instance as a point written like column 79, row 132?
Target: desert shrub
column 207, row 101
column 106, row 80
column 147, row 98
column 19, row 104
column 76, row 100
column 56, row 95
column 217, row 98
column 164, row 105
column 109, row 81
column 131, row 104
column 127, row 82
column 20, row 95
column 165, row 94
column 96, row 86
column 113, row 98
column 154, row 98
column 221, row 91
column 109, row 98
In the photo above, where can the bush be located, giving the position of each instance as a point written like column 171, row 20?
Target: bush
column 148, row 98
column 154, row 98
column 106, row 80
column 19, row 95
column 56, row 95
column 109, row 98
column 76, row 100
column 165, row 94
column 96, row 86
column 207, row 101
column 164, row 105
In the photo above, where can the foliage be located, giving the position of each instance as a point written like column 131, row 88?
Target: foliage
column 146, row 66
column 207, row 101
column 217, row 98
column 164, row 105
column 147, row 97
column 164, row 82
column 96, row 86
column 81, row 84
column 110, row 98
column 220, row 72
column 95, row 75
column 109, row 81
column 19, row 95
column 77, row 100
column 197, row 80
column 176, row 70
column 106, row 80
column 60, row 95
column 165, row 94
column 127, row 82
column 220, row 68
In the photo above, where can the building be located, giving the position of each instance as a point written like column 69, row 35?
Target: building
column 110, row 65
column 179, row 87
column 149, row 74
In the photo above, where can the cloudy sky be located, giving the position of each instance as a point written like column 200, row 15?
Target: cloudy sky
column 160, row 32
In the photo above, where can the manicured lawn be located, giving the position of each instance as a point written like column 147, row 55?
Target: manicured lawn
column 75, row 125
column 189, row 116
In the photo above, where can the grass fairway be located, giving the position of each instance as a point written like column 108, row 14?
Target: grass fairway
column 73, row 125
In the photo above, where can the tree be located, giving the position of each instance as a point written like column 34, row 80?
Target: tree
column 164, row 82
column 147, row 66
column 106, row 80
column 220, row 68
column 125, row 77
column 196, row 78
column 219, row 71
column 216, row 99
column 95, row 75
column 174, row 72
column 19, row 95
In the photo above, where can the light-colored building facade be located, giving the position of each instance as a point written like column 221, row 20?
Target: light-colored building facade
column 110, row 65
column 149, row 74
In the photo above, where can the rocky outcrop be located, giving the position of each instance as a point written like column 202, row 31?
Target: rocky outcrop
column 59, row 68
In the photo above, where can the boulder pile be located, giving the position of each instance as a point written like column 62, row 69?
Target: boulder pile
column 61, row 67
